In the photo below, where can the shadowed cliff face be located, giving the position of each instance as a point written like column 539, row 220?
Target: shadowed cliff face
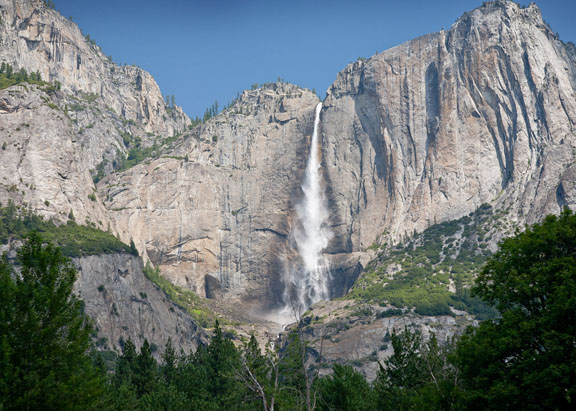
column 124, row 304
column 431, row 129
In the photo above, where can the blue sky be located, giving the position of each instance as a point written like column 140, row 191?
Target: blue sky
column 203, row 51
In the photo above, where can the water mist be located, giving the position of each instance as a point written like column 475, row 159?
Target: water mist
column 308, row 282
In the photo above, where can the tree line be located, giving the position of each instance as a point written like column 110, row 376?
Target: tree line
column 10, row 76
column 525, row 359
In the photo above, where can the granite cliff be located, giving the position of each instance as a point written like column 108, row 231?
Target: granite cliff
column 124, row 304
column 60, row 135
column 215, row 215
column 431, row 129
column 419, row 134
column 54, row 139
column 474, row 128
column 427, row 132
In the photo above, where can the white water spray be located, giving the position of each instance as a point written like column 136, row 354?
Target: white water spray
column 309, row 283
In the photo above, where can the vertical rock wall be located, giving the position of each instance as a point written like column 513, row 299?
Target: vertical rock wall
column 216, row 215
column 429, row 130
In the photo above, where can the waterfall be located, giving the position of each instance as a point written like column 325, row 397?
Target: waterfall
column 308, row 282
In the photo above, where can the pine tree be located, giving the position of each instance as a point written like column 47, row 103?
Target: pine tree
column 145, row 372
column 170, row 362
column 44, row 335
column 346, row 389
column 259, row 374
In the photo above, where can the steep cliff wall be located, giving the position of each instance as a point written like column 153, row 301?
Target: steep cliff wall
column 429, row 130
column 215, row 215
column 39, row 39
column 424, row 132
column 124, row 305
column 53, row 139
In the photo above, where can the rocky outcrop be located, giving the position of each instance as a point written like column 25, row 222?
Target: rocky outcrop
column 124, row 304
column 215, row 215
column 345, row 332
column 55, row 138
column 38, row 39
column 427, row 131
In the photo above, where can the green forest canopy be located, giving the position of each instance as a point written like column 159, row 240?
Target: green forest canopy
column 524, row 360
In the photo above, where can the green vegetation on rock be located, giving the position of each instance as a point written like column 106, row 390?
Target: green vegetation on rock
column 9, row 77
column 137, row 153
column 185, row 298
column 421, row 271
column 73, row 239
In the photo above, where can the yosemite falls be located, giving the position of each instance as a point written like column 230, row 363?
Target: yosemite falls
column 308, row 281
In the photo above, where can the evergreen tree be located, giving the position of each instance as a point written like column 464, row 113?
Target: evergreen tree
column 527, row 358
column 210, row 112
column 170, row 362
column 209, row 377
column 419, row 375
column 295, row 390
column 259, row 374
column 166, row 397
column 346, row 389
column 145, row 372
column 44, row 335
column 397, row 382
column 221, row 360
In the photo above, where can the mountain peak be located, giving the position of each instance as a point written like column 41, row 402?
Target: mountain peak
column 494, row 13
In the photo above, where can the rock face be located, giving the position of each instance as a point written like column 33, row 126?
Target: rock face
column 359, row 335
column 38, row 39
column 424, row 132
column 53, row 140
column 427, row 131
column 44, row 160
column 124, row 305
column 216, row 215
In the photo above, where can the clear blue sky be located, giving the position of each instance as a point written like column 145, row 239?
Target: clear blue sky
column 207, row 50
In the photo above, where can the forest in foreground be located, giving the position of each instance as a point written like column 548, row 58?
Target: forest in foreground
column 523, row 359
